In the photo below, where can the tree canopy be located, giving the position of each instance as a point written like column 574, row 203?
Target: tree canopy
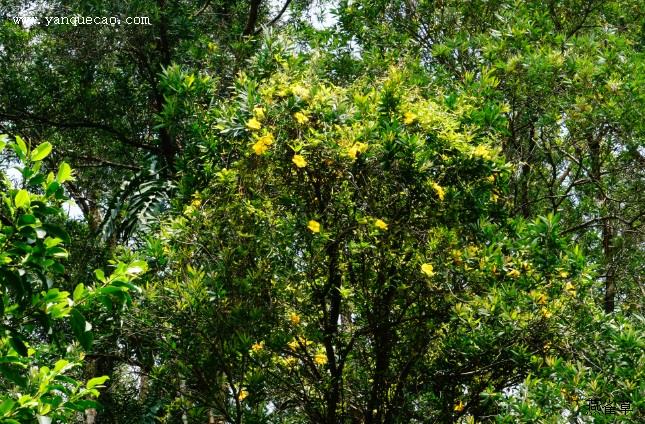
column 410, row 212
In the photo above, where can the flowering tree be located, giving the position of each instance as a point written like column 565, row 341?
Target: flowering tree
column 346, row 255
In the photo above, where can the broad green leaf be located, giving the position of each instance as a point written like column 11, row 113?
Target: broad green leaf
column 22, row 199
column 52, row 187
column 78, row 292
column 64, row 173
column 57, row 231
column 97, row 382
column 22, row 146
column 136, row 267
column 100, row 275
column 79, row 326
column 62, row 365
column 6, row 406
column 19, row 346
column 41, row 152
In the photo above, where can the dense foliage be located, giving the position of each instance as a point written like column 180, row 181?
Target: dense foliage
column 425, row 211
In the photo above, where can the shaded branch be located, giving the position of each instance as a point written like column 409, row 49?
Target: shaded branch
column 253, row 17
column 83, row 124
column 277, row 17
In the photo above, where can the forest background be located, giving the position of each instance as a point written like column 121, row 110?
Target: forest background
column 322, row 212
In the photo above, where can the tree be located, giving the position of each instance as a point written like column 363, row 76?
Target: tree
column 37, row 359
column 346, row 255
column 570, row 74
column 99, row 89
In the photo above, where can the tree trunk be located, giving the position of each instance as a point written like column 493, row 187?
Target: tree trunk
column 607, row 230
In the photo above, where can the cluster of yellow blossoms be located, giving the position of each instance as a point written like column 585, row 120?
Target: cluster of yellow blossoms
column 301, row 118
column 356, row 149
column 427, row 269
column 314, row 226
column 294, row 318
column 262, row 144
column 299, row 161
column 380, row 224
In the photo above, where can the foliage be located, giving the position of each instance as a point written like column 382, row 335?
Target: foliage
column 426, row 211
column 348, row 256
column 36, row 358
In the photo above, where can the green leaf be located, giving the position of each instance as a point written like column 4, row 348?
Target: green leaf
column 58, row 252
column 78, row 292
column 52, row 187
column 22, row 199
column 83, row 404
column 79, row 327
column 26, row 220
column 57, row 231
column 97, row 382
column 98, row 273
column 22, row 147
column 6, row 406
column 136, row 267
column 127, row 285
column 110, row 290
column 19, row 346
column 41, row 152
column 64, row 173
column 62, row 365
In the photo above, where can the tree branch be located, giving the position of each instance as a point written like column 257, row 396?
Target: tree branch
column 277, row 17
column 83, row 124
column 253, row 17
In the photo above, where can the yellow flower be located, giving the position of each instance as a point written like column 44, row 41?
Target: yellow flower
column 267, row 139
column 456, row 257
column 293, row 345
column 427, row 269
column 258, row 112
column 542, row 299
column 352, row 152
column 490, row 178
column 299, row 161
column 546, row 313
column 196, row 203
column 259, row 147
column 380, row 224
column 253, row 124
column 314, row 226
column 570, row 288
column 439, row 191
column 409, row 117
column 459, row 407
column 482, row 151
column 356, row 149
column 294, row 318
column 257, row 347
column 263, row 144
column 564, row 274
column 320, row 359
column 361, row 147
column 513, row 273
column 301, row 117
column 242, row 395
